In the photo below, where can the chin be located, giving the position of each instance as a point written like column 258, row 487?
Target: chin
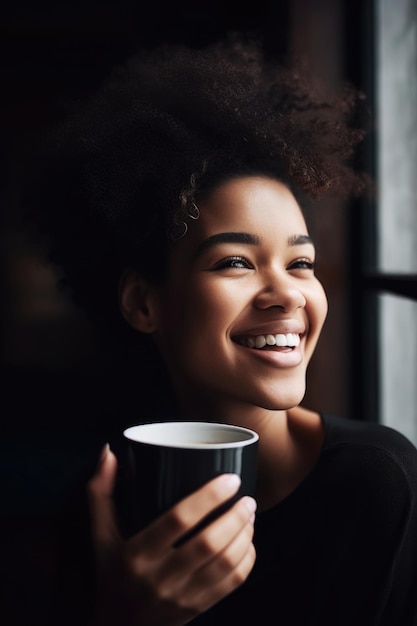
column 283, row 405
column 283, row 400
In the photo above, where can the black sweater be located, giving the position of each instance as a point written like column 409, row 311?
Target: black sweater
column 341, row 550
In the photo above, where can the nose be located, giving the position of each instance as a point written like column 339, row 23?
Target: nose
column 280, row 290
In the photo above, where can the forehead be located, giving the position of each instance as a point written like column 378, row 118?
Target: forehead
column 257, row 206
column 252, row 204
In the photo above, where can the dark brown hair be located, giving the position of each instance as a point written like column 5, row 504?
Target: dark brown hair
column 167, row 126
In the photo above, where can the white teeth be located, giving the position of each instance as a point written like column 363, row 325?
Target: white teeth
column 281, row 340
column 260, row 341
column 290, row 340
column 293, row 340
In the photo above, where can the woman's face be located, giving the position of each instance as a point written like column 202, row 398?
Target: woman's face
column 241, row 312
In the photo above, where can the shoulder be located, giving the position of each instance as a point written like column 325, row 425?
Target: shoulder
column 342, row 431
column 377, row 459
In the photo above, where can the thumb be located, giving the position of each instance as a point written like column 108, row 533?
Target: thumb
column 100, row 489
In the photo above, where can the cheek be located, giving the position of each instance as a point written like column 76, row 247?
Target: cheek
column 210, row 301
column 322, row 306
column 172, row 316
column 317, row 309
column 185, row 311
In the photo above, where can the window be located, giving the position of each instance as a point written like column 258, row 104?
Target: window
column 395, row 276
column 384, row 276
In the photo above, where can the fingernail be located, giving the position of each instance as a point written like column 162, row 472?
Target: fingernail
column 250, row 504
column 231, row 480
column 104, row 452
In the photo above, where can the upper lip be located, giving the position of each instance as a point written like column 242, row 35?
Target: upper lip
column 273, row 328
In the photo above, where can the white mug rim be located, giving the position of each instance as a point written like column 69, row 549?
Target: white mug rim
column 147, row 437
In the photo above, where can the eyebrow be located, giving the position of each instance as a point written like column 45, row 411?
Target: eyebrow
column 247, row 239
column 230, row 237
column 300, row 240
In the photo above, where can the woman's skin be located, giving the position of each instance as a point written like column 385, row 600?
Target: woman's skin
column 243, row 272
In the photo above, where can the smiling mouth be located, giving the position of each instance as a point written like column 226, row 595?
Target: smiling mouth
column 267, row 342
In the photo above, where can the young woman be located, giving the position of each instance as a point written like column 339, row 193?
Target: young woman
column 173, row 205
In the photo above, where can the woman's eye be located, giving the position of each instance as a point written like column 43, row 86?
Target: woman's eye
column 235, row 262
column 304, row 264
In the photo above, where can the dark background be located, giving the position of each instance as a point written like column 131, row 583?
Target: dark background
column 55, row 52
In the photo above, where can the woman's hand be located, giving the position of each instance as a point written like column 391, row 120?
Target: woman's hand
column 145, row 580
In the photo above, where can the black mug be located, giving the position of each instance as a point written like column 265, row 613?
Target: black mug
column 167, row 461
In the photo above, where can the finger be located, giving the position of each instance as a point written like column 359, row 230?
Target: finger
column 100, row 495
column 222, row 543
column 162, row 534
column 208, row 595
column 225, row 561
column 218, row 577
column 209, row 543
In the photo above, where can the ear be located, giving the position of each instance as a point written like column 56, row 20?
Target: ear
column 138, row 302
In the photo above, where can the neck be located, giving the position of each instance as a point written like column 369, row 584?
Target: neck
column 290, row 442
column 288, row 450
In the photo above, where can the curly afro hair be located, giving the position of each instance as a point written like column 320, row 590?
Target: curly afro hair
column 121, row 174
